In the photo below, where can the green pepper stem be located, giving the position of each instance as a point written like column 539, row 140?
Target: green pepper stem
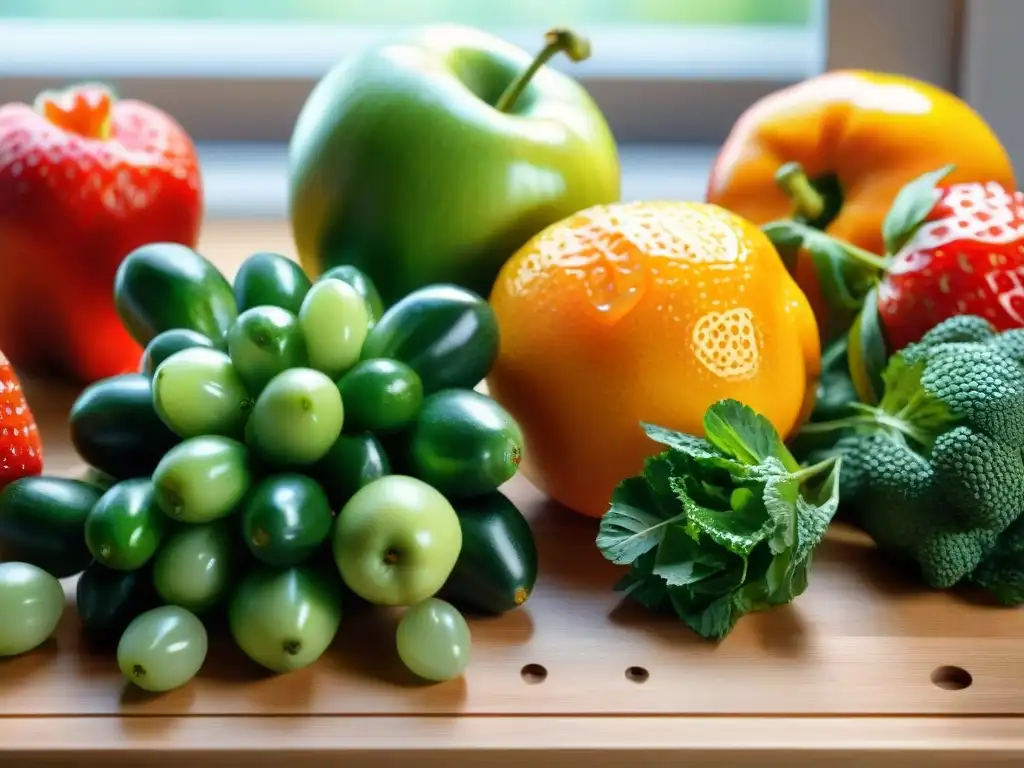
column 806, row 199
column 556, row 40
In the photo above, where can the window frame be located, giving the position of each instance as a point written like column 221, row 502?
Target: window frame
column 921, row 38
column 989, row 67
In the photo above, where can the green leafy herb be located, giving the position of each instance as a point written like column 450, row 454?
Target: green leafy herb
column 717, row 527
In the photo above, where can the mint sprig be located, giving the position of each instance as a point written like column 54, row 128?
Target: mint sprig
column 720, row 526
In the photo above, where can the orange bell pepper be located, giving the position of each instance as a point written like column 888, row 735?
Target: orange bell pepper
column 858, row 138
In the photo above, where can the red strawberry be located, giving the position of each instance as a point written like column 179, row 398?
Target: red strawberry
column 965, row 258
column 84, row 180
column 21, row 452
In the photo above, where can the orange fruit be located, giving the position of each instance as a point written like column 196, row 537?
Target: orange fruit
column 650, row 312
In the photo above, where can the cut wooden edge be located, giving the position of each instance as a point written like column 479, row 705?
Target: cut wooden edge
column 594, row 742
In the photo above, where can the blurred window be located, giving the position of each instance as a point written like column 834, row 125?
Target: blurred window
column 657, row 65
column 671, row 76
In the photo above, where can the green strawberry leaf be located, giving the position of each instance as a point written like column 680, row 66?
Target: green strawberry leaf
column 845, row 272
column 911, row 207
column 839, row 276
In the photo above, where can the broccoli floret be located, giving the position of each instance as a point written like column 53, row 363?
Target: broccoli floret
column 959, row 328
column 982, row 386
column 890, row 486
column 1002, row 570
column 936, row 470
column 1011, row 343
column 965, row 462
column 948, row 557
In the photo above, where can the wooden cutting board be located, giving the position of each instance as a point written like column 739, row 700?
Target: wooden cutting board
column 865, row 666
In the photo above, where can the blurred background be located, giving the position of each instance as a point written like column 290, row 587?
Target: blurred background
column 671, row 75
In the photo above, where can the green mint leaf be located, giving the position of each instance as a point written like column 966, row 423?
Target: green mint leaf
column 778, row 576
column 720, row 527
column 696, row 449
column 752, row 596
column 640, row 586
column 680, row 441
column 711, row 619
column 740, row 432
column 722, row 582
column 633, row 524
column 780, row 496
column 658, row 474
column 697, row 452
column 815, row 508
column 814, row 499
column 738, row 530
column 911, row 207
column 681, row 561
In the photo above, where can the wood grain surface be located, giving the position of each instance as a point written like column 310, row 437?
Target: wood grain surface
column 866, row 665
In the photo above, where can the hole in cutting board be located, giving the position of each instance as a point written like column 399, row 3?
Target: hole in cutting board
column 534, row 673
column 637, row 674
column 950, row 678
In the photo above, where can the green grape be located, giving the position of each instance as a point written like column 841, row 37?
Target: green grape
column 125, row 527
column 197, row 565
column 297, row 417
column 363, row 285
column 263, row 342
column 396, row 541
column 202, row 479
column 335, row 321
column 31, row 604
column 162, row 649
column 284, row 620
column 433, row 640
column 198, row 392
column 107, row 600
column 270, row 279
column 169, row 343
column 285, row 519
column 380, row 396
column 353, row 461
